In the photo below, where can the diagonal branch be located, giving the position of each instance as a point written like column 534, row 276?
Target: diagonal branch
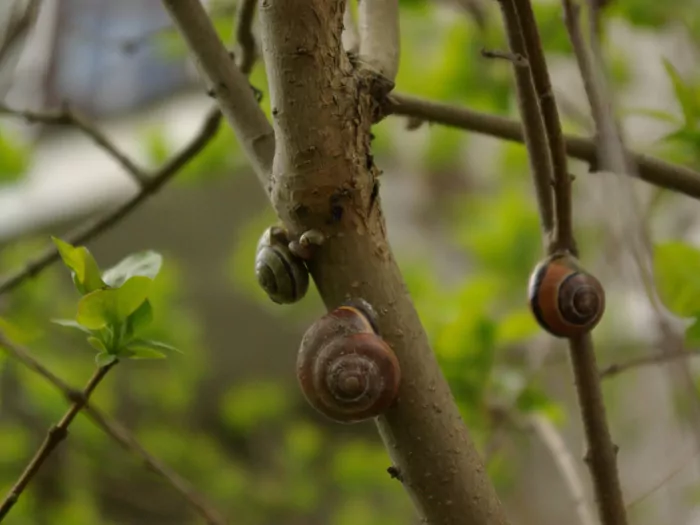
column 69, row 117
column 564, row 462
column 649, row 360
column 118, row 433
column 229, row 85
column 56, row 434
column 379, row 36
column 154, row 183
column 652, row 170
column 245, row 14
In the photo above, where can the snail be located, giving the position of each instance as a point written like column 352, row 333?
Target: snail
column 279, row 263
column 565, row 300
column 346, row 371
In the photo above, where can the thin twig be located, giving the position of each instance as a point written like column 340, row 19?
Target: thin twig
column 652, row 170
column 118, row 433
column 601, row 457
column 56, row 434
column 155, row 181
column 563, row 459
column 618, row 368
column 612, row 157
column 563, row 235
column 380, row 45
column 69, row 117
column 532, row 127
column 244, row 35
column 22, row 20
column 516, row 58
column 229, row 85
column 602, row 453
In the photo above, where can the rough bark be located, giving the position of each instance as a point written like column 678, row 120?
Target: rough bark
column 324, row 178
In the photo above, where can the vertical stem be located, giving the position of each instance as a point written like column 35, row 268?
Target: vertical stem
column 564, row 236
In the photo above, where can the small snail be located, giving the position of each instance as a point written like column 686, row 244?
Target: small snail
column 280, row 273
column 565, row 300
column 346, row 371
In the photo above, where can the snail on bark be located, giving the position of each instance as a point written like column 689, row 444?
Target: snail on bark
column 345, row 369
column 279, row 263
column 565, row 300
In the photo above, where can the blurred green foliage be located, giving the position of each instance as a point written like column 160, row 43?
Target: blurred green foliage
column 253, row 446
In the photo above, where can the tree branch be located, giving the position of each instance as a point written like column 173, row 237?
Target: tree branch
column 563, row 235
column 229, row 85
column 563, row 459
column 601, row 455
column 532, row 127
column 154, row 182
column 117, row 432
column 244, row 35
column 652, row 170
column 618, row 368
column 68, row 117
column 380, row 36
column 56, row 434
column 325, row 179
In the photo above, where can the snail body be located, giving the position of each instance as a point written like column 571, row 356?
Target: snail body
column 281, row 273
column 565, row 300
column 346, row 371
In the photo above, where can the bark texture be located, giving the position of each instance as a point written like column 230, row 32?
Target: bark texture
column 324, row 177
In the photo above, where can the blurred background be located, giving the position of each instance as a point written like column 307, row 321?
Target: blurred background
column 460, row 207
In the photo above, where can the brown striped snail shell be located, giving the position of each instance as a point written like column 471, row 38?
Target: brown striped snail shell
column 346, row 371
column 282, row 274
column 565, row 300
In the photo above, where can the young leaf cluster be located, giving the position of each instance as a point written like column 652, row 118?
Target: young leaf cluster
column 114, row 309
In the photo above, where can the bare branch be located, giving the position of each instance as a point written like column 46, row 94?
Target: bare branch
column 601, row 456
column 117, row 432
column 564, row 236
column 532, row 127
column 244, row 35
column 351, row 39
column 564, row 461
column 21, row 22
column 380, row 40
column 69, row 117
column 652, row 170
column 56, row 434
column 154, row 183
column 602, row 453
column 230, row 86
column 650, row 360
column 325, row 179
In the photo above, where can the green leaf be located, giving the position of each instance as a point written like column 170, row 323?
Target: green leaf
column 155, row 345
column 104, row 359
column 97, row 344
column 113, row 306
column 71, row 323
column 686, row 95
column 145, row 264
column 677, row 276
column 140, row 319
column 14, row 157
column 84, row 268
column 141, row 349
